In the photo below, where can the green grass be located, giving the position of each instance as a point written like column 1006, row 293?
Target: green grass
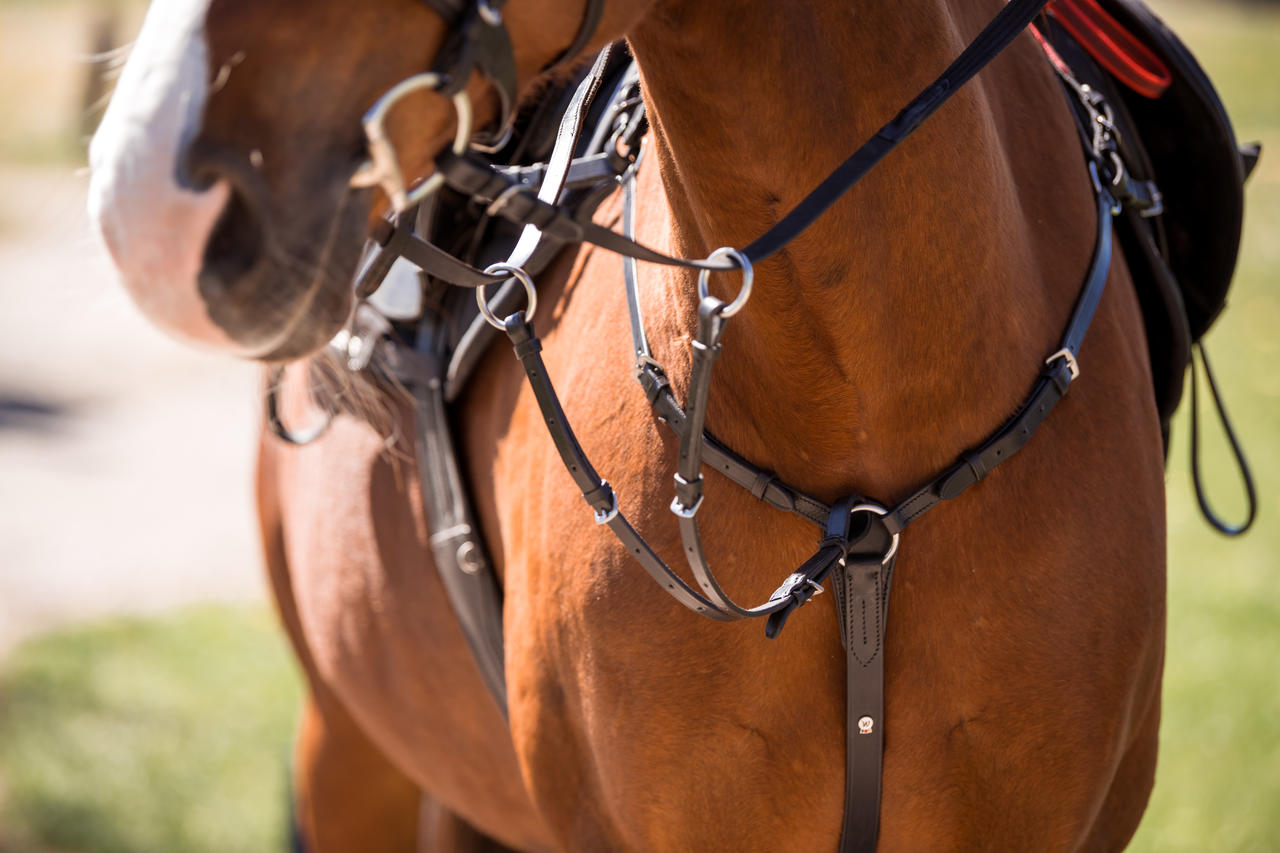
column 149, row 736
column 1218, row 780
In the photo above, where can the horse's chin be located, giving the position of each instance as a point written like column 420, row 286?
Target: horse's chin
column 291, row 301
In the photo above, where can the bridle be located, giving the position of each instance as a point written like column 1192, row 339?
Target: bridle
column 860, row 537
column 477, row 40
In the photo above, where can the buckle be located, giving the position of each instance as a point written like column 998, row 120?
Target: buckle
column 604, row 516
column 1072, row 364
column 686, row 511
column 678, row 507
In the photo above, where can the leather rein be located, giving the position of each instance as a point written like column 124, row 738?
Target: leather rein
column 860, row 537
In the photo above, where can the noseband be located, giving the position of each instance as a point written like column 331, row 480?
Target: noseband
column 860, row 537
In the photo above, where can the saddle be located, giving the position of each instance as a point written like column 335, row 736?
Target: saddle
column 1177, row 141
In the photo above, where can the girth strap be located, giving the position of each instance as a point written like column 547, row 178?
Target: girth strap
column 454, row 536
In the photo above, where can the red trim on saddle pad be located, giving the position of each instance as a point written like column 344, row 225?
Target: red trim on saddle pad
column 1114, row 47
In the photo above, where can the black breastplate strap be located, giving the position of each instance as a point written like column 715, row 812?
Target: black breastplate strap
column 860, row 545
column 860, row 542
column 860, row 586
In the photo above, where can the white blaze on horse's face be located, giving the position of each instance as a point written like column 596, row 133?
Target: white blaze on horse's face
column 155, row 228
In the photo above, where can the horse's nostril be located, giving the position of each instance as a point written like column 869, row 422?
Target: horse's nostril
column 234, row 247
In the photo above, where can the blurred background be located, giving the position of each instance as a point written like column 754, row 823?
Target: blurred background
column 147, row 699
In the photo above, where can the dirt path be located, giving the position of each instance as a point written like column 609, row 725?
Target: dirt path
column 125, row 458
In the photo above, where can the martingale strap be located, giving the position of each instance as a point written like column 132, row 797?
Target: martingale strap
column 861, row 559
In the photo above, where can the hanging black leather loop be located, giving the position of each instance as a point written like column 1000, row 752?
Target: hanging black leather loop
column 1242, row 464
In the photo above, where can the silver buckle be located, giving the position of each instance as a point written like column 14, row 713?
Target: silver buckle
column 686, row 512
column 680, row 509
column 606, row 516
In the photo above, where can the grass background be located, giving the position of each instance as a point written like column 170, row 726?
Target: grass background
column 172, row 734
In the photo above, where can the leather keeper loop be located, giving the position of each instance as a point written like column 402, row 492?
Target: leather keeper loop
column 653, row 381
column 1059, row 373
column 761, row 484
column 688, row 492
column 600, row 498
column 960, row 479
column 528, row 348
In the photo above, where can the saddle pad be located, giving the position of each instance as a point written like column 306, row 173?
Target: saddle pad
column 1197, row 164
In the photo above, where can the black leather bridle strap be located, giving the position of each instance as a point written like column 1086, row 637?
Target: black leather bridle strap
column 478, row 39
column 522, row 207
column 586, row 31
column 994, row 38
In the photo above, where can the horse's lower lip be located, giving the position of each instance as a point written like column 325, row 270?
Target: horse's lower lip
column 281, row 288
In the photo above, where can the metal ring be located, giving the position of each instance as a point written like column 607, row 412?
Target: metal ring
column 519, row 275
column 492, row 16
column 298, row 438
column 383, row 168
column 748, row 276
column 876, row 509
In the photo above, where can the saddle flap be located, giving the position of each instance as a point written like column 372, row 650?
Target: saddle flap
column 1197, row 164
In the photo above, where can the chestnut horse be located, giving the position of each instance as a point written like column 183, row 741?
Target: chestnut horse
column 1026, row 647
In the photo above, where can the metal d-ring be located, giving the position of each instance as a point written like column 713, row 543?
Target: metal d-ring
column 748, row 275
column 876, row 509
column 490, row 13
column 298, row 438
column 383, row 168
column 519, row 275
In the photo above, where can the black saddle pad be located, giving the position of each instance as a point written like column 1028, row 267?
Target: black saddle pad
column 1197, row 165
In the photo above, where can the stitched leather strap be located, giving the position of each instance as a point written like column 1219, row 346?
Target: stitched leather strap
column 861, row 586
column 595, row 491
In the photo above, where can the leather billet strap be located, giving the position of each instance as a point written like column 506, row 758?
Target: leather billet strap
column 860, row 586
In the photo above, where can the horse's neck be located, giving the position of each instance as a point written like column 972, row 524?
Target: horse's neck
column 911, row 318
